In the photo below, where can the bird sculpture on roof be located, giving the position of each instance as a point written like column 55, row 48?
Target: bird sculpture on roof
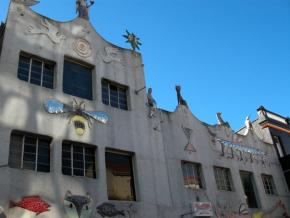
column 133, row 40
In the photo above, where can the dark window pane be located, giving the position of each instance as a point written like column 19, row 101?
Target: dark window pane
column 83, row 160
column 23, row 68
column 114, row 95
column 36, row 71
column 120, row 180
column 77, row 80
column 15, row 152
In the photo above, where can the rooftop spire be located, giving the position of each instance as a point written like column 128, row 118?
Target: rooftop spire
column 82, row 8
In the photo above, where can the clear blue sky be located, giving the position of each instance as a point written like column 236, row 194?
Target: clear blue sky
column 228, row 55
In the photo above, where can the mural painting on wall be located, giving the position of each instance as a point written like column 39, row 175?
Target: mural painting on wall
column 27, row 207
column 47, row 29
column 188, row 134
column 76, row 112
column 227, row 211
column 77, row 206
column 109, row 210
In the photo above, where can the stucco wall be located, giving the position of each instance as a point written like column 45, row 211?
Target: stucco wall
column 157, row 143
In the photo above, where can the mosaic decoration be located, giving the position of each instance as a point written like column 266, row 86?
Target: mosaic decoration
column 111, row 55
column 47, row 29
column 76, row 113
column 151, row 103
column 27, row 3
column 220, row 120
column 188, row 133
column 245, row 152
column 180, row 99
column 77, row 206
column 133, row 40
column 82, row 47
column 109, row 210
column 82, row 8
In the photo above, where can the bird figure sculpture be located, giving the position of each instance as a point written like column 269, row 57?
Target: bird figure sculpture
column 133, row 40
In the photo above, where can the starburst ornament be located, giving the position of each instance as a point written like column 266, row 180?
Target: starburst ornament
column 133, row 40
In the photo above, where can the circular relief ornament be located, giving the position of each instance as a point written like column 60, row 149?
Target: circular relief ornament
column 82, row 47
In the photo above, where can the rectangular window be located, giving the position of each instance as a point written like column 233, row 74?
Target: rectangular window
column 223, row 178
column 114, row 95
column 192, row 175
column 249, row 188
column 77, row 80
column 120, row 178
column 29, row 151
column 269, row 185
column 78, row 159
column 36, row 70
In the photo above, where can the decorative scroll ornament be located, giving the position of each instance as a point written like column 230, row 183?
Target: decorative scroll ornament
column 77, row 206
column 133, row 40
column 111, row 55
column 76, row 113
column 47, row 29
column 109, row 210
column 188, row 133
column 82, row 47
column 27, row 3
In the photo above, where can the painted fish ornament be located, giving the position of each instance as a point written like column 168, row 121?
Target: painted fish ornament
column 109, row 210
column 33, row 203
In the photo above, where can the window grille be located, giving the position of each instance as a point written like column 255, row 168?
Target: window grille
column 223, row 179
column 29, row 151
column 192, row 175
column 78, row 159
column 36, row 70
column 114, row 95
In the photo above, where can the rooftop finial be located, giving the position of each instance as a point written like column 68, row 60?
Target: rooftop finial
column 82, row 8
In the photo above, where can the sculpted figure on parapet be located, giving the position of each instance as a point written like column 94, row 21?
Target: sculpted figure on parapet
column 82, row 8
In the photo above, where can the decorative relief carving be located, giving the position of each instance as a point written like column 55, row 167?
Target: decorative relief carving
column 47, row 29
column 111, row 54
column 82, row 47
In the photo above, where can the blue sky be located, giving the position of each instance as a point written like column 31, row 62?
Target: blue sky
column 228, row 55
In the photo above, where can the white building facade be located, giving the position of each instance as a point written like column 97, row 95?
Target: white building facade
column 61, row 157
